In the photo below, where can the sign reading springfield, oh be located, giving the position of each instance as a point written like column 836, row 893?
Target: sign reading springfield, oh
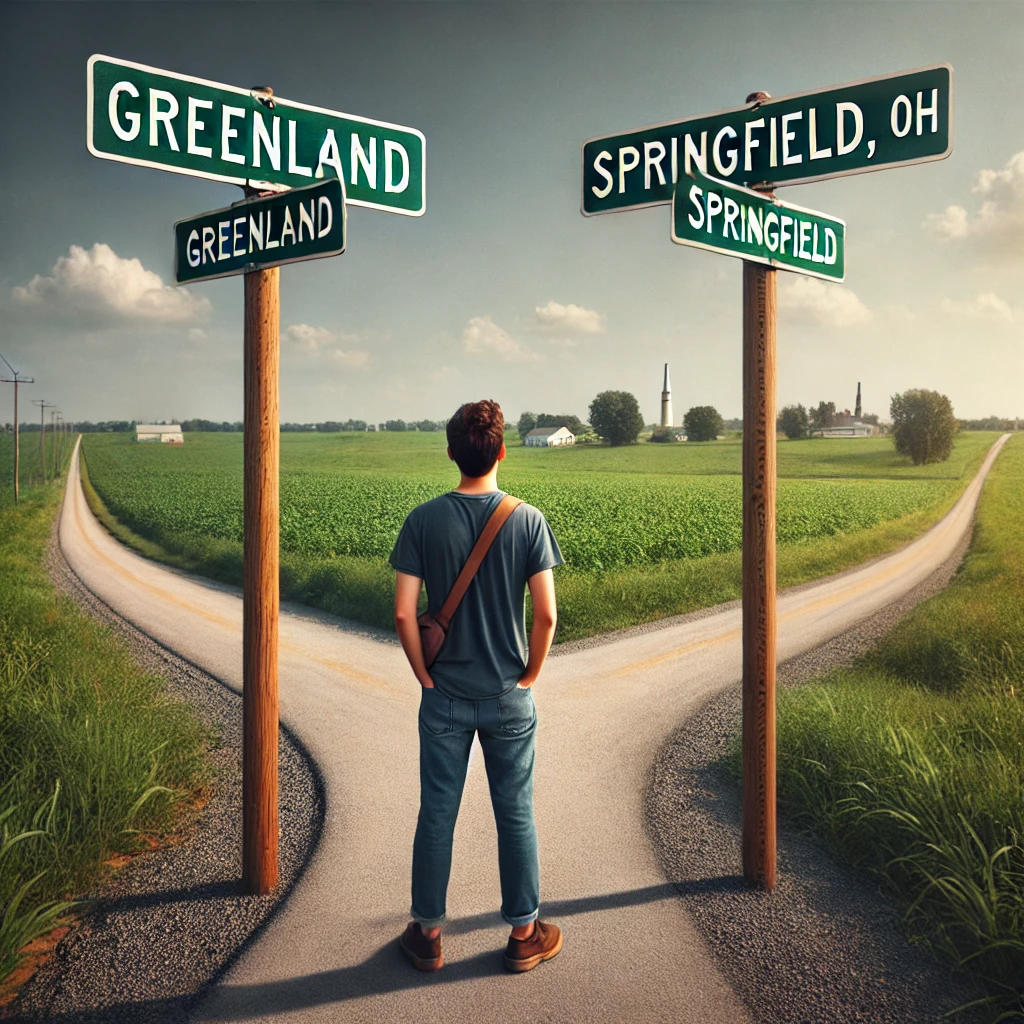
column 904, row 118
column 737, row 221
column 142, row 115
column 260, row 232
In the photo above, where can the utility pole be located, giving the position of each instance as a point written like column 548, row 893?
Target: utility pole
column 16, row 380
column 54, row 417
column 43, row 406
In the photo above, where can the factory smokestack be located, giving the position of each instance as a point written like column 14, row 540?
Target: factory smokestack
column 666, row 401
column 856, row 411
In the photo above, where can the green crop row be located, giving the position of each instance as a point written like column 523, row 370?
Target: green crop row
column 603, row 522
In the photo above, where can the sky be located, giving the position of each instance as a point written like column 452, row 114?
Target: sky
column 502, row 289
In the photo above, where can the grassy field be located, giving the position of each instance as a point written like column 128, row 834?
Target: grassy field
column 93, row 755
column 647, row 531
column 912, row 763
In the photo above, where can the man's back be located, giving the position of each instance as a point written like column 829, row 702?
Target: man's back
column 485, row 652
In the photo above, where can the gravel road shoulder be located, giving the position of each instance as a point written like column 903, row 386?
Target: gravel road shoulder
column 171, row 922
column 825, row 947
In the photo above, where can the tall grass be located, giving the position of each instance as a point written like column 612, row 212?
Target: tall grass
column 912, row 762
column 93, row 752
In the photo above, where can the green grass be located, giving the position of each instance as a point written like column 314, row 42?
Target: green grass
column 648, row 531
column 93, row 753
column 912, row 762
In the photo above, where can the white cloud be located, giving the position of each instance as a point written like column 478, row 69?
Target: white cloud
column 999, row 221
column 986, row 306
column 483, row 336
column 196, row 334
column 318, row 344
column 570, row 319
column 103, row 289
column 808, row 300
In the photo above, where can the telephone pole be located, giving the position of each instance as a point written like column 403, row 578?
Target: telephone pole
column 43, row 406
column 54, row 414
column 16, row 379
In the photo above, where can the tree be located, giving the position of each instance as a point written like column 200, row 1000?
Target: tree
column 527, row 421
column 923, row 425
column 823, row 415
column 615, row 416
column 793, row 422
column 574, row 423
column 395, row 425
column 702, row 423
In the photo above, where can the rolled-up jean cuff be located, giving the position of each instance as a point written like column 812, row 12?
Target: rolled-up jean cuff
column 427, row 922
column 518, row 922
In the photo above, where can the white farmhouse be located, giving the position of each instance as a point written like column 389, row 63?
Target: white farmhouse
column 163, row 433
column 549, row 437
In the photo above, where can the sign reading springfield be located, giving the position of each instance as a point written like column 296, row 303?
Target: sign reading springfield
column 905, row 118
column 260, row 232
column 737, row 221
column 142, row 115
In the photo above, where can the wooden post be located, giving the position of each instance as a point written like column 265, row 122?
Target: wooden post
column 759, row 619
column 262, row 443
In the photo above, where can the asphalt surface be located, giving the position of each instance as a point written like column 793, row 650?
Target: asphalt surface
column 632, row 950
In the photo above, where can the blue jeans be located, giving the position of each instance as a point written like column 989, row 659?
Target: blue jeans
column 507, row 727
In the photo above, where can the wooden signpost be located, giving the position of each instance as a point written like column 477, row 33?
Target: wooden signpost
column 704, row 166
column 299, row 167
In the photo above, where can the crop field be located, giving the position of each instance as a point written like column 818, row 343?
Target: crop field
column 614, row 511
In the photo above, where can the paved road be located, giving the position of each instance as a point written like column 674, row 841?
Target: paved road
column 631, row 951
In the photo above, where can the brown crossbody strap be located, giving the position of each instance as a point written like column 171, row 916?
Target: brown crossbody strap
column 505, row 508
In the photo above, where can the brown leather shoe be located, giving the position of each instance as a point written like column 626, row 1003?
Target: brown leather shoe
column 524, row 954
column 423, row 952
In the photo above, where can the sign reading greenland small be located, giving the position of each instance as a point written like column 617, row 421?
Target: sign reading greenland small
column 260, row 232
column 141, row 115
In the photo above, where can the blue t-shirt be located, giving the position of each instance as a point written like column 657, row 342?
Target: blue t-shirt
column 485, row 652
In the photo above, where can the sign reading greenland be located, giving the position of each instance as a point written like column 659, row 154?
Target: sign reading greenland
column 142, row 115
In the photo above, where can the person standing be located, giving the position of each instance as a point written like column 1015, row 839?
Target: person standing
column 481, row 682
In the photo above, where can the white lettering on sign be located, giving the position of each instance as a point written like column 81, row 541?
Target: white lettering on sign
column 725, row 169
column 293, row 166
column 324, row 207
column 271, row 145
column 901, row 117
column 788, row 136
column 750, row 143
column 227, row 133
column 624, row 167
column 195, row 125
column 654, row 153
column 329, row 156
column 605, row 173
column 812, row 130
column 306, row 219
column 359, row 158
column 194, row 255
column 391, row 150
column 134, row 120
column 842, row 146
column 156, row 116
column 932, row 111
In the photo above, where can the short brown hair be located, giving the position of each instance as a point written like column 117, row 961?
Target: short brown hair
column 475, row 435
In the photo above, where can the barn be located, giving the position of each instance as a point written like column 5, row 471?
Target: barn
column 162, row 433
column 549, row 437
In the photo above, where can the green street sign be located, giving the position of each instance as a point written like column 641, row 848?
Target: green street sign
column 737, row 221
column 260, row 232
column 905, row 118
column 153, row 118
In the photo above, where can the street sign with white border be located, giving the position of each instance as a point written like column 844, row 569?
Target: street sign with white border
column 737, row 221
column 206, row 246
column 142, row 115
column 886, row 121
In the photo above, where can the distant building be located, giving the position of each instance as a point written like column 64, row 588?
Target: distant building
column 163, row 433
column 666, row 401
column 549, row 437
column 847, row 424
